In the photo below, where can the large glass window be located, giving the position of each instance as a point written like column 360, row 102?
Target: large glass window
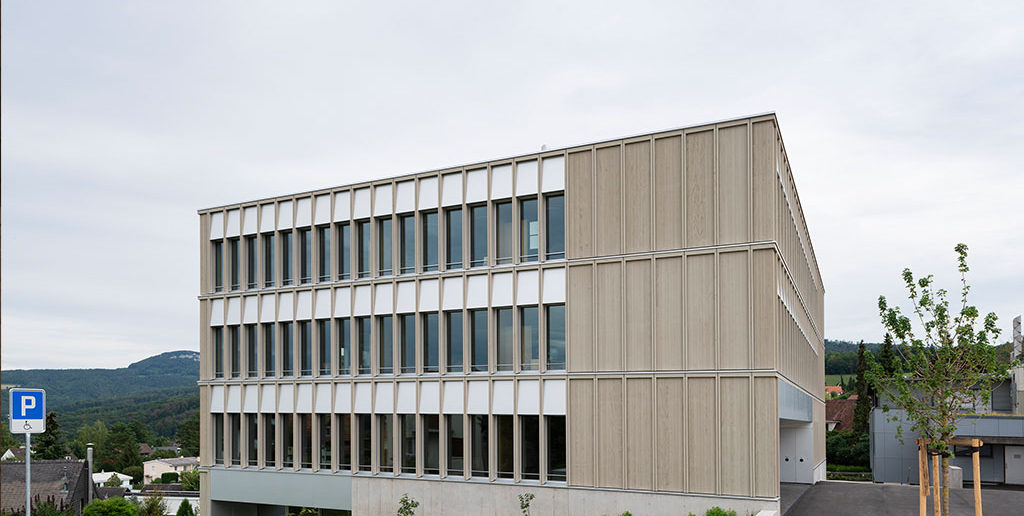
column 430, row 336
column 555, row 336
column 505, row 443
column 252, row 431
column 235, row 429
column 324, row 246
column 268, row 260
column 218, row 265
column 306, row 351
column 305, row 256
column 407, row 343
column 529, row 230
column 384, row 247
column 478, row 332
column 344, row 347
column 503, row 318
column 345, row 441
column 385, row 353
column 287, row 441
column 269, row 440
column 385, row 443
column 250, row 262
column 235, row 351
column 504, row 236
column 453, row 341
column 344, row 252
column 554, row 217
column 407, row 439
column 218, row 439
column 287, row 352
column 218, row 352
column 429, row 240
column 556, row 447
column 324, row 336
column 456, row 452
column 453, row 236
column 529, row 446
column 234, row 258
column 325, row 440
column 365, row 440
column 363, row 252
column 407, row 235
column 478, row 236
column 431, row 444
column 269, row 366
column 529, row 338
column 363, row 342
column 252, row 351
column 286, row 257
column 478, row 428
column 305, row 441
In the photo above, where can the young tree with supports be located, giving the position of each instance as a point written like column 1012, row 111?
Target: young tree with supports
column 945, row 370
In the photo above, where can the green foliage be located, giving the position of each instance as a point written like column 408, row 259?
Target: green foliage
column 407, row 506
column 524, row 503
column 120, row 450
column 718, row 511
column 50, row 444
column 152, row 505
column 848, row 447
column 844, row 468
column 863, row 408
column 49, row 509
column 169, row 478
column 305, row 511
column 162, row 454
column 190, row 480
column 136, row 472
column 7, row 439
column 110, row 507
column 113, row 481
column 185, row 509
column 887, row 357
column 188, row 436
column 95, row 433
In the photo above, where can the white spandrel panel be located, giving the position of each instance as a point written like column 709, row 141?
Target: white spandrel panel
column 476, row 399
column 342, row 206
column 251, row 403
column 304, row 212
column 428, row 193
column 363, row 399
column 553, row 174
column 286, row 398
column 322, row 213
column 361, row 204
column 361, row 304
column 268, row 221
column 323, row 303
column 342, row 302
column 405, row 298
column 249, row 225
column 268, row 308
column 554, row 397
column 384, row 398
column 217, row 225
column 217, row 312
column 526, row 177
column 284, row 215
column 501, row 290
column 323, row 398
column 304, row 306
column 501, row 182
column 406, row 402
column 428, row 295
column 430, row 397
column 451, row 189
column 343, row 398
column 234, row 311
column 452, row 299
column 268, row 399
column 234, row 399
column 217, row 399
column 382, row 199
column 250, row 309
column 504, row 398
column 476, row 291
column 382, row 302
column 304, row 399
column 554, row 285
column 528, row 399
column 527, row 285
column 476, row 185
column 285, row 307
column 234, row 226
column 453, row 398
column 405, row 196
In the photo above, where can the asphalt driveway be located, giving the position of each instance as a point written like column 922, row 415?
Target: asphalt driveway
column 858, row 498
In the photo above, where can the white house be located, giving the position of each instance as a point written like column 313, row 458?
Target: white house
column 102, row 477
column 153, row 469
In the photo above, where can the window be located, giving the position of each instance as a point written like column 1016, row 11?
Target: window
column 286, row 349
column 251, row 431
column 504, row 443
column 363, row 236
column 555, row 336
column 454, row 423
column 384, row 244
column 430, row 342
column 344, row 347
column 287, row 441
column 305, row 256
column 324, row 245
column 286, row 257
column 363, row 342
column 529, row 346
column 324, row 337
column 365, row 438
column 529, row 230
column 556, row 447
column 385, row 444
column 345, row 441
column 252, row 351
column 218, row 352
column 250, row 262
column 235, row 428
column 218, row 266
column 429, row 240
column 269, row 366
column 478, row 428
column 236, row 271
column 269, row 440
column 478, row 332
column 503, row 317
column 453, row 341
column 431, row 444
column 407, row 455
column 478, row 236
column 268, row 260
column 407, row 254
column 529, row 446
column 218, row 439
column 385, row 356
column 305, row 441
column 967, row 451
column 344, row 252
column 554, row 216
column 407, row 343
column 453, row 234
column 504, row 238
column 235, row 351
column 306, row 349
column 325, row 440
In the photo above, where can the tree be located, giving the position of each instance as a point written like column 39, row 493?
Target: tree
column 407, row 506
column 887, row 357
column 113, row 481
column 7, row 439
column 188, row 436
column 863, row 408
column 950, row 365
column 190, row 480
column 152, row 505
column 120, row 449
column 185, row 509
column 50, row 444
column 110, row 507
column 96, row 434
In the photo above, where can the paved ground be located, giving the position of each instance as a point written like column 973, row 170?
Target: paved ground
column 789, row 494
column 835, row 498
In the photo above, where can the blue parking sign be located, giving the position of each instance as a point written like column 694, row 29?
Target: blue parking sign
column 28, row 411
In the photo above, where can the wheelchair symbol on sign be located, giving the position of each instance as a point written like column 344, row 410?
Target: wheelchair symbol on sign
column 28, row 426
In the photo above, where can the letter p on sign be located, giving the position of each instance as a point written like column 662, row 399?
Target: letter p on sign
column 28, row 411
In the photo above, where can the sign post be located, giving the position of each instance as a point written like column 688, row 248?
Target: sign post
column 28, row 416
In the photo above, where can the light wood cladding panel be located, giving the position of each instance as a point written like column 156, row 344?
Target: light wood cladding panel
column 669, row 339
column 818, row 425
column 733, row 310
column 638, row 315
column 700, row 189
column 671, row 456
column 701, row 432
column 580, row 205
column 700, row 311
column 668, row 193
column 763, row 297
column 580, row 307
column 608, row 315
column 763, row 181
column 580, row 418
column 736, row 432
column 640, row 434
column 766, row 440
column 637, row 185
column 610, row 426
column 733, row 185
column 608, row 208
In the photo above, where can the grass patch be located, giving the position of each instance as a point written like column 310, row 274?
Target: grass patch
column 843, row 468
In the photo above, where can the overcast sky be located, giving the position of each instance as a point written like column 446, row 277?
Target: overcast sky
column 120, row 119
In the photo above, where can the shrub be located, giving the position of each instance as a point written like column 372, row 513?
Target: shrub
column 524, row 503
column 849, row 448
column 185, row 509
column 190, row 480
column 113, row 481
column 407, row 506
column 169, row 478
column 152, row 505
column 110, row 507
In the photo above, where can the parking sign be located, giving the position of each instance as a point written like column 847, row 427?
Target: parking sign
column 28, row 411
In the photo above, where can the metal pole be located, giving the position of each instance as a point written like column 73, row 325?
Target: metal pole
column 88, row 454
column 28, row 474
